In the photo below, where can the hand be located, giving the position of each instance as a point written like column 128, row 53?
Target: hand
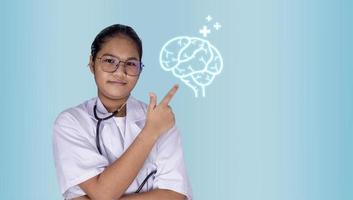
column 160, row 118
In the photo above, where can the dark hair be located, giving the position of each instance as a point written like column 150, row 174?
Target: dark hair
column 110, row 32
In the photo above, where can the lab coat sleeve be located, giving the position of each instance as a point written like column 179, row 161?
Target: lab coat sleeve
column 76, row 157
column 171, row 171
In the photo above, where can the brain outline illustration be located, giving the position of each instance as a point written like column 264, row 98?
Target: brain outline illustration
column 193, row 60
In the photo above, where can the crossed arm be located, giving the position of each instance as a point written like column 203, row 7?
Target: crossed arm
column 115, row 179
column 156, row 194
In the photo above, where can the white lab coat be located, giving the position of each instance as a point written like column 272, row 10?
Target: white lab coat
column 77, row 158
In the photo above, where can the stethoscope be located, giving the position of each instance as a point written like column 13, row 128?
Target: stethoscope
column 98, row 144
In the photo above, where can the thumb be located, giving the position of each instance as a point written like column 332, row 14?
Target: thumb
column 153, row 101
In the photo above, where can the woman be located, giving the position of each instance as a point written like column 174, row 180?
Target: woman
column 114, row 146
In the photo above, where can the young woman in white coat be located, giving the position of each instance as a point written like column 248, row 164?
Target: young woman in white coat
column 113, row 146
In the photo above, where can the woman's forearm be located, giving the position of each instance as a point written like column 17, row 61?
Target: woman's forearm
column 157, row 194
column 115, row 179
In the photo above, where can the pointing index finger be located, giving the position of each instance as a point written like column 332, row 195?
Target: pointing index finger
column 169, row 95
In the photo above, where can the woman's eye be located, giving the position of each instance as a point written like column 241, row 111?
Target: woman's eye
column 109, row 60
column 131, row 63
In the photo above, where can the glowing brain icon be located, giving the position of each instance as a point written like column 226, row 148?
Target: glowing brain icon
column 193, row 60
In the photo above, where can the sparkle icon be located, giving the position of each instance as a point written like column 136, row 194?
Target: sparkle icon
column 217, row 26
column 209, row 18
column 205, row 31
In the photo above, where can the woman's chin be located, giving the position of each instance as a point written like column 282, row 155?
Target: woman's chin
column 118, row 96
column 115, row 95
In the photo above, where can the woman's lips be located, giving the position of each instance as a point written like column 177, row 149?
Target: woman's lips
column 118, row 82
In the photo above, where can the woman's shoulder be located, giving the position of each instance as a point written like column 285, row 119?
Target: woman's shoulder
column 76, row 113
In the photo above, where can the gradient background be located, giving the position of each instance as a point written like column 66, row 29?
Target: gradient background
column 276, row 124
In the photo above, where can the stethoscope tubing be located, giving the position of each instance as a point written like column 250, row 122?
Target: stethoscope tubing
column 99, row 121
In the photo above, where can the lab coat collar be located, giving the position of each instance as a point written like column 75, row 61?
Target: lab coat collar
column 134, row 110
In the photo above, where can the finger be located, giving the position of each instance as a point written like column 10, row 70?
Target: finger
column 153, row 101
column 169, row 95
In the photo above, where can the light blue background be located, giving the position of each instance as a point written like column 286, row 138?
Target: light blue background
column 276, row 124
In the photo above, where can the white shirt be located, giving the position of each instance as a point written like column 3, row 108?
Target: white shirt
column 121, row 123
column 77, row 158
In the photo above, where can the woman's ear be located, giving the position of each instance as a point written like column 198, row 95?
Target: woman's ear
column 91, row 64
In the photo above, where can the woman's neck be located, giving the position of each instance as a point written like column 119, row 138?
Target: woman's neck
column 114, row 104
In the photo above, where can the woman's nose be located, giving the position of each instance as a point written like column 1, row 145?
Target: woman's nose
column 120, row 70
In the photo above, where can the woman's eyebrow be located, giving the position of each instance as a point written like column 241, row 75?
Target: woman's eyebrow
column 132, row 58
column 129, row 58
column 109, row 54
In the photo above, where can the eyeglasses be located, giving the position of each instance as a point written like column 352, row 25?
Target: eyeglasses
column 110, row 64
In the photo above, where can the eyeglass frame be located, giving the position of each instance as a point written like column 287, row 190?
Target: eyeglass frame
column 121, row 61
